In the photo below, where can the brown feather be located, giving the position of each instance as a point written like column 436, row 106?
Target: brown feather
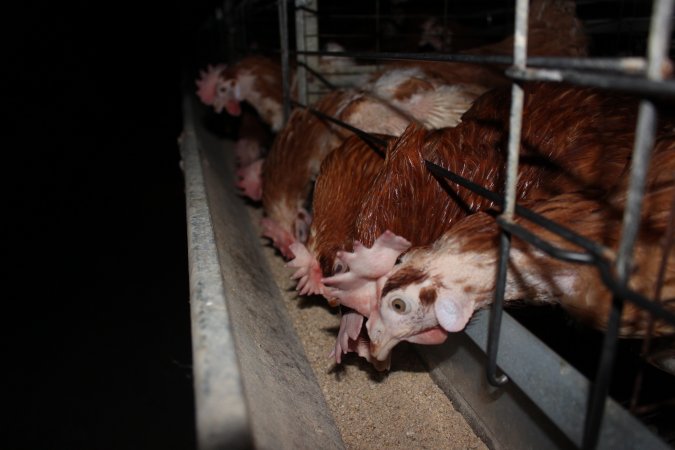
column 299, row 149
column 553, row 30
column 572, row 139
column 345, row 177
column 295, row 157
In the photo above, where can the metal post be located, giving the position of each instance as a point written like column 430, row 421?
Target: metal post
column 285, row 64
column 300, row 45
column 659, row 35
column 668, row 241
column 307, row 40
column 515, row 122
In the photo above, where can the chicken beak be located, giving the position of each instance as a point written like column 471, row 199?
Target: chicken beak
column 381, row 342
column 218, row 106
column 382, row 348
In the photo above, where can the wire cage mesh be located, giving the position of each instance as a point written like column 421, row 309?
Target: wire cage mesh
column 629, row 48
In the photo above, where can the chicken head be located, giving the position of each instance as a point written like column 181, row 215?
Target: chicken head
column 363, row 272
column 219, row 91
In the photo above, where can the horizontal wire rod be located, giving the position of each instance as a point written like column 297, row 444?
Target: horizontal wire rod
column 338, row 15
column 373, row 142
column 604, row 267
column 599, row 254
column 645, row 129
column 623, row 83
column 319, row 77
column 632, row 65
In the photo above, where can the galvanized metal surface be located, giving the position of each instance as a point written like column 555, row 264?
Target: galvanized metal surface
column 632, row 65
column 554, row 388
column 515, row 126
column 659, row 37
column 242, row 333
column 285, row 61
column 623, row 83
column 504, row 418
column 221, row 412
column 314, row 81
column 306, row 39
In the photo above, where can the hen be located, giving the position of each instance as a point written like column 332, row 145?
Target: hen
column 553, row 30
column 433, row 100
column 253, row 139
column 437, row 93
column 298, row 151
column 345, row 177
column 443, row 284
column 342, row 187
column 255, row 80
column 572, row 138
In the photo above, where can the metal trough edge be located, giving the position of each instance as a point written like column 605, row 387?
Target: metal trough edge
column 544, row 405
column 253, row 384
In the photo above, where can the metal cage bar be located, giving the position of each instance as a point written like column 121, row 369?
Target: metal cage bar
column 594, row 253
column 285, row 62
column 644, row 141
column 628, row 65
column 515, row 124
column 569, row 69
column 300, row 45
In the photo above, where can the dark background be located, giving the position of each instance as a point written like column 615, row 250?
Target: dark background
column 97, row 343
column 96, row 319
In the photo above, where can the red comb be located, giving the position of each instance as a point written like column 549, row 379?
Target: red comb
column 206, row 84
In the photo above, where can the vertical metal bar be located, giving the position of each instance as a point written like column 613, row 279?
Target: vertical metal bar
column 659, row 39
column 300, row 46
column 496, row 312
column 285, row 64
column 515, row 123
column 668, row 241
column 659, row 36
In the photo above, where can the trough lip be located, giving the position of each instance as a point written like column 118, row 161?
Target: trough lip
column 254, row 386
column 545, row 395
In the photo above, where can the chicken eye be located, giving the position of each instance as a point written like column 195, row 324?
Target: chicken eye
column 399, row 305
column 301, row 231
column 338, row 267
